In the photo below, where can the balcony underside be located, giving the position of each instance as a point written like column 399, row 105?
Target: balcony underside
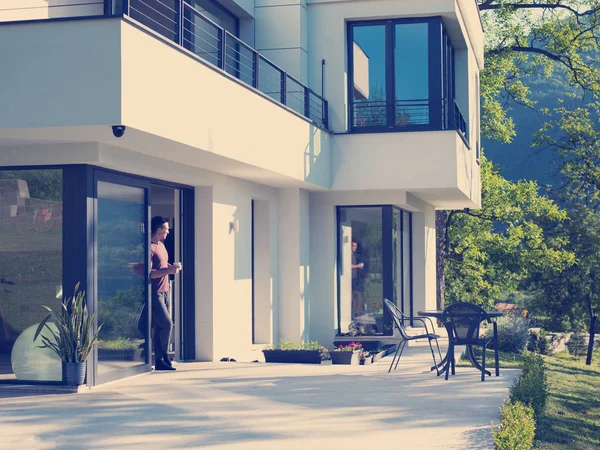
column 98, row 73
column 436, row 166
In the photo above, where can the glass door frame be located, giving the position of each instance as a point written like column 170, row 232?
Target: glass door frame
column 388, row 262
column 131, row 181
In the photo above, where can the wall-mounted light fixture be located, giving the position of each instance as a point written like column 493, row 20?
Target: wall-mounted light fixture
column 234, row 226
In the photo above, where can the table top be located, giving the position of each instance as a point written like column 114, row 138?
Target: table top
column 438, row 313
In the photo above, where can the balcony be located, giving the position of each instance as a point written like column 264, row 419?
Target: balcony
column 179, row 22
column 408, row 115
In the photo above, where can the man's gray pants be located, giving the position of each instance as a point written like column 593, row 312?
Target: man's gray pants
column 161, row 320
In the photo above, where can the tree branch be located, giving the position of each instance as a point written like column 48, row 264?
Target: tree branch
column 489, row 5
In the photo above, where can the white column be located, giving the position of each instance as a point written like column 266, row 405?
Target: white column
column 294, row 267
column 424, row 255
column 204, row 316
column 282, row 35
column 263, row 294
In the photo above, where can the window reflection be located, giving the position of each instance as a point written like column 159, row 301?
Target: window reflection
column 361, row 274
column 121, row 278
column 30, row 269
column 411, row 74
column 363, row 260
column 369, row 82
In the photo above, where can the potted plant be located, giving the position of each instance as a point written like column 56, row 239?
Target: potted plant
column 72, row 340
column 347, row 354
column 295, row 352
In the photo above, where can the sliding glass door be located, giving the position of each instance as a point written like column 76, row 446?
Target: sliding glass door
column 122, row 288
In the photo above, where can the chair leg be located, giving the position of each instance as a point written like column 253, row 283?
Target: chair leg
column 398, row 360
column 449, row 359
column 453, row 362
column 395, row 355
column 484, row 348
column 433, row 354
column 394, row 358
column 496, row 359
column 439, row 351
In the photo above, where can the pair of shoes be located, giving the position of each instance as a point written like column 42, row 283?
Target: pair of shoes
column 161, row 365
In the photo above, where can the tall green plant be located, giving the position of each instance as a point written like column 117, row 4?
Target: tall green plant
column 73, row 340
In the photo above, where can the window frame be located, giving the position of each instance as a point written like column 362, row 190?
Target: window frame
column 439, row 117
column 387, row 212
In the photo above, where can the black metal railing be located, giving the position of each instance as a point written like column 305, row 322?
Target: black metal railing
column 418, row 114
column 459, row 123
column 181, row 23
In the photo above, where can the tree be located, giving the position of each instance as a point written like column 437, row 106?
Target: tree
column 529, row 37
column 573, row 136
column 525, row 38
column 496, row 248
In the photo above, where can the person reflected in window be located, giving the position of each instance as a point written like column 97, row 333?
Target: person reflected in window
column 160, row 271
column 358, row 283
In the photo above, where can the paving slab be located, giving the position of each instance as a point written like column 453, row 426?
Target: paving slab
column 256, row 406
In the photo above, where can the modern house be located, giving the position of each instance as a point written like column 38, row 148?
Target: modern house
column 300, row 148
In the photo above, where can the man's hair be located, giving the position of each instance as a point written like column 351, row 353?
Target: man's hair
column 157, row 222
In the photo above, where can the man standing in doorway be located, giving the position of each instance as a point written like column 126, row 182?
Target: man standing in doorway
column 160, row 271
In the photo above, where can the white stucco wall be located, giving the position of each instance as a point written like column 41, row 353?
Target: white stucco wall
column 57, row 74
column 12, row 10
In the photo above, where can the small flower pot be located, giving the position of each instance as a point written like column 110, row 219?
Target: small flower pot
column 352, row 358
column 367, row 360
column 73, row 373
column 293, row 356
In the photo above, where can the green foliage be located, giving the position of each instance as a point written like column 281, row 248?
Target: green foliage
column 119, row 344
column 513, row 333
column 517, row 427
column 45, row 184
column 119, row 313
column 525, row 39
column 532, row 386
column 73, row 340
column 539, row 343
column 576, row 345
column 496, row 248
column 293, row 345
column 563, row 297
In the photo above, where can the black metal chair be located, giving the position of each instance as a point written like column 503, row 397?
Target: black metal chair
column 398, row 317
column 463, row 321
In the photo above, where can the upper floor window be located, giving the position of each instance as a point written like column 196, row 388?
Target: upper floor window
column 219, row 15
column 401, row 75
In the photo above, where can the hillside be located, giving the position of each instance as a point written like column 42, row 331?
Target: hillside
column 518, row 160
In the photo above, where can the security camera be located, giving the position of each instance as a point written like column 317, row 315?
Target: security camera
column 118, row 130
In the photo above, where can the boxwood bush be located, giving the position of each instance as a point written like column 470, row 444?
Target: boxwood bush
column 517, row 427
column 532, row 386
column 513, row 333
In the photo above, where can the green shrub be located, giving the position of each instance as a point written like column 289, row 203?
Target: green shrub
column 517, row 427
column 513, row 333
column 532, row 386
column 538, row 342
column 577, row 345
column 291, row 345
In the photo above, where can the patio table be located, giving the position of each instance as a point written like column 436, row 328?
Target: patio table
column 437, row 314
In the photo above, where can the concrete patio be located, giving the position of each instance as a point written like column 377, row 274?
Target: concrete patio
column 243, row 406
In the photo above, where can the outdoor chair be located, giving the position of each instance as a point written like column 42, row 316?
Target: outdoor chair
column 398, row 317
column 463, row 321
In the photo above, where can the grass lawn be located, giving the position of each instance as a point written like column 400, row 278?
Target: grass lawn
column 571, row 420
column 507, row 360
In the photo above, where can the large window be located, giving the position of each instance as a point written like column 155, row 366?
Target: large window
column 31, row 226
column 374, row 262
column 401, row 75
